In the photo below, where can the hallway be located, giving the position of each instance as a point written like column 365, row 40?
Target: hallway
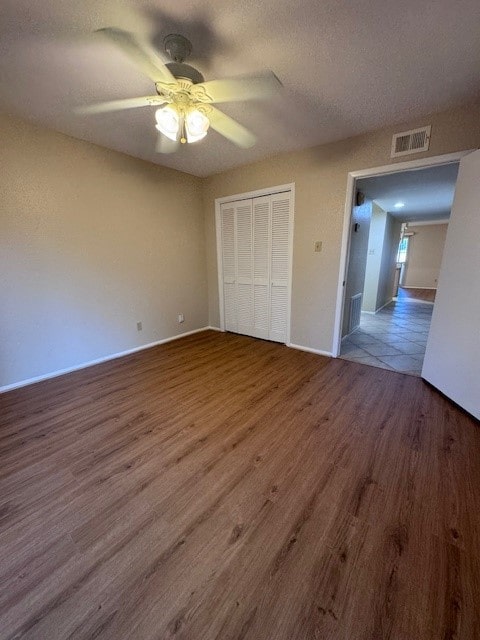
column 394, row 338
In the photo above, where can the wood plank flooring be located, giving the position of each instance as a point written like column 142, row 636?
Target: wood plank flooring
column 221, row 487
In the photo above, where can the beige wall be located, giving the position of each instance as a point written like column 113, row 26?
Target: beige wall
column 425, row 251
column 92, row 241
column 374, row 251
column 320, row 176
column 383, row 242
column 386, row 279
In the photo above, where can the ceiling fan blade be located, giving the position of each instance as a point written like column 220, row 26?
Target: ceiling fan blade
column 259, row 85
column 118, row 105
column 230, row 128
column 165, row 145
column 141, row 53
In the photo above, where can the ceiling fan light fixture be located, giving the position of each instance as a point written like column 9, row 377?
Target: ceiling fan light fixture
column 196, row 125
column 168, row 122
column 183, row 92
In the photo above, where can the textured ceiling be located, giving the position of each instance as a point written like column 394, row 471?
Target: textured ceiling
column 346, row 67
column 426, row 193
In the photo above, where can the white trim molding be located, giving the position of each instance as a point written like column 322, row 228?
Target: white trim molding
column 318, row 352
column 352, row 177
column 426, row 223
column 404, row 286
column 372, row 313
column 256, row 194
column 91, row 363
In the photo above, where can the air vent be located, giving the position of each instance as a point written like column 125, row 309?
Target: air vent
column 414, row 141
column 355, row 312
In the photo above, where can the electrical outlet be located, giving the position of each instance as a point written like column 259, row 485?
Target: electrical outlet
column 181, row 318
column 317, row 245
column 139, row 326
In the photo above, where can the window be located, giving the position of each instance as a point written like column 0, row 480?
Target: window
column 402, row 250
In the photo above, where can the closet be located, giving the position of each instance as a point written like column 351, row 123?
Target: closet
column 255, row 240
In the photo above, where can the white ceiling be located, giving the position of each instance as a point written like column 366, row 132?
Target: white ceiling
column 426, row 193
column 346, row 67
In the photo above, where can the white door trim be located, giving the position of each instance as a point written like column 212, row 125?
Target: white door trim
column 283, row 188
column 269, row 191
column 353, row 176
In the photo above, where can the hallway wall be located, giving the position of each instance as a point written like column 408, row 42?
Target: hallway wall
column 425, row 253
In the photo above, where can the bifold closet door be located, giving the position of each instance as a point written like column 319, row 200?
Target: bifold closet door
column 256, row 265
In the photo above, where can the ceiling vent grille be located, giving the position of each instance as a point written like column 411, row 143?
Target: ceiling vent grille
column 414, row 141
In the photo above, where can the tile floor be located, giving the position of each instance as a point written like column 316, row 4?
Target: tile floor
column 394, row 338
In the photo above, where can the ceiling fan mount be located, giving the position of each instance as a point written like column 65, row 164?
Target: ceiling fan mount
column 184, row 101
column 179, row 49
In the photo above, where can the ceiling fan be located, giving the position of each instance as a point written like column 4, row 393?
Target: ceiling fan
column 183, row 99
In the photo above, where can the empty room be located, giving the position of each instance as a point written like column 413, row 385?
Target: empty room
column 186, row 450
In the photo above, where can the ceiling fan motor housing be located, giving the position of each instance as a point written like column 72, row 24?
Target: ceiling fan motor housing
column 183, row 70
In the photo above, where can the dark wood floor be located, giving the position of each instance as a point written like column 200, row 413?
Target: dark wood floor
column 220, row 487
column 426, row 295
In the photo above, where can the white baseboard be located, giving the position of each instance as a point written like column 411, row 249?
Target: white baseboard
column 353, row 331
column 416, row 300
column 384, row 305
column 404, row 286
column 319, row 352
column 216, row 329
column 91, row 363
column 372, row 313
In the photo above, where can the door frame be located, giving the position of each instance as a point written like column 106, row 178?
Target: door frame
column 283, row 188
column 353, row 176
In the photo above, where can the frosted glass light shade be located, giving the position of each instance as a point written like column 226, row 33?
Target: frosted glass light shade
column 168, row 122
column 196, row 125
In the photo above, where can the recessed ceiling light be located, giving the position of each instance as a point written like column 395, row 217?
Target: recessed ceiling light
column 399, row 205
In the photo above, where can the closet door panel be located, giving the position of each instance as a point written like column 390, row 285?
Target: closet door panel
column 244, row 308
column 279, row 295
column 229, row 266
column 261, row 266
column 278, row 314
column 230, row 302
column 244, row 241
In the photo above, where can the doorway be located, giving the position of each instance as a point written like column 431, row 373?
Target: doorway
column 397, row 229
